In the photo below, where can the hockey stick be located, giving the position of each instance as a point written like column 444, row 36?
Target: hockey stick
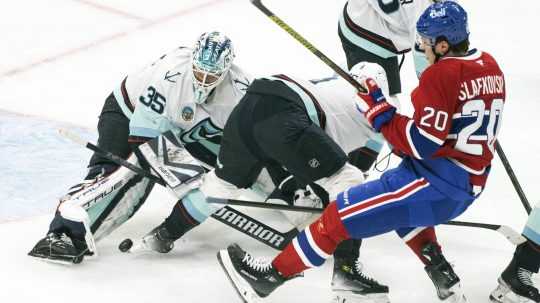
column 509, row 233
column 242, row 223
column 309, row 46
column 252, row 227
column 227, row 215
column 513, row 177
column 116, row 159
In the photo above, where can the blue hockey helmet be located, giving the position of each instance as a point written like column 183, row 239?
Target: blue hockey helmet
column 212, row 58
column 446, row 19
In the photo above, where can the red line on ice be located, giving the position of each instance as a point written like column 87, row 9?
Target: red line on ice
column 111, row 10
column 98, row 42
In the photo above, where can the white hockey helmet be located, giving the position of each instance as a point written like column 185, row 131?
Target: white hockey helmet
column 364, row 70
column 212, row 58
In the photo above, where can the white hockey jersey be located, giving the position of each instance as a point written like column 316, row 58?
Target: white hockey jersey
column 344, row 124
column 160, row 97
column 385, row 27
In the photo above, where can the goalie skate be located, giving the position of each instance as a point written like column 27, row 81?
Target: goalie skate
column 157, row 240
column 60, row 249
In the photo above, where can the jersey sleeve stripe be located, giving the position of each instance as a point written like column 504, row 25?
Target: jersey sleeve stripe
column 410, row 140
column 143, row 132
column 423, row 145
column 364, row 38
column 135, row 139
column 123, row 101
column 430, row 137
column 313, row 108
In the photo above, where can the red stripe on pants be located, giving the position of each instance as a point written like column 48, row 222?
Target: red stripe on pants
column 385, row 197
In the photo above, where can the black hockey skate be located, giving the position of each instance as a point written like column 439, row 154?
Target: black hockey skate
column 159, row 239
column 515, row 284
column 441, row 273
column 253, row 279
column 350, row 284
column 59, row 248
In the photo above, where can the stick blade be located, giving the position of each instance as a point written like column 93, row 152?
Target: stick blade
column 71, row 136
column 511, row 235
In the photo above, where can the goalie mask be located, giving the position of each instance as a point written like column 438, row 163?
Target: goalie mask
column 212, row 58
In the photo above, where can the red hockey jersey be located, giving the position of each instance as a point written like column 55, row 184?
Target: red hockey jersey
column 458, row 109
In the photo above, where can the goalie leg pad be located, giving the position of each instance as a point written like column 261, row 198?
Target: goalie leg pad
column 108, row 201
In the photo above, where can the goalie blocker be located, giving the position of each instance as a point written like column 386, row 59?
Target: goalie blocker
column 94, row 208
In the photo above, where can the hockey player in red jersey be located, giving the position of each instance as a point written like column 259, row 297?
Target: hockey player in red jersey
column 447, row 148
column 378, row 32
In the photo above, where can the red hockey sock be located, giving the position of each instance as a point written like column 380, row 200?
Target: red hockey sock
column 288, row 263
column 419, row 240
column 313, row 245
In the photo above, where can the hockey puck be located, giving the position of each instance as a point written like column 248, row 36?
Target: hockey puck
column 125, row 245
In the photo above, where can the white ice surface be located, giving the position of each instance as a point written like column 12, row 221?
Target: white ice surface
column 61, row 58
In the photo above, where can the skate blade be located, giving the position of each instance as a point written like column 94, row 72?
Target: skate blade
column 243, row 289
column 457, row 295
column 349, row 297
column 503, row 294
column 63, row 261
column 139, row 247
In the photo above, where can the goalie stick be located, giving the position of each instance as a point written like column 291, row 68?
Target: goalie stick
column 355, row 84
column 227, row 215
column 509, row 233
column 236, row 220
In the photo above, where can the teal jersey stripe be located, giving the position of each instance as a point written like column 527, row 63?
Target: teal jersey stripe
column 363, row 43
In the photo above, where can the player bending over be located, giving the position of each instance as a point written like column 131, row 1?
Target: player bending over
column 301, row 133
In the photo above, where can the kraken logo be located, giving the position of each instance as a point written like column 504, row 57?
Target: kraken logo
column 188, row 113
column 204, row 130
